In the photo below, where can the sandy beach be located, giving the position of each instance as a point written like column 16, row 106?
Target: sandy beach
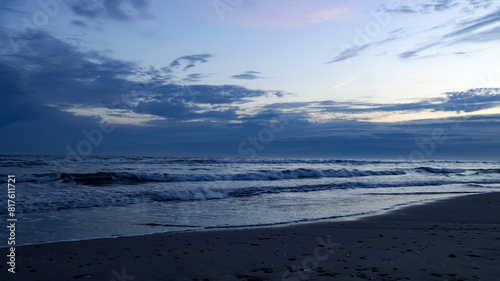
column 452, row 239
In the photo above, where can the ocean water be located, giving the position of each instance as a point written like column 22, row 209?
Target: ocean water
column 61, row 198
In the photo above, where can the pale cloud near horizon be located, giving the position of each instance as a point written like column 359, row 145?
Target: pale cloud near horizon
column 115, row 116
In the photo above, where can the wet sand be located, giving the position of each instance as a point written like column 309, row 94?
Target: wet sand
column 452, row 239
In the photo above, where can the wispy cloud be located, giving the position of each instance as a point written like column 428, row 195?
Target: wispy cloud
column 437, row 6
column 190, row 60
column 488, row 22
column 79, row 23
column 482, row 29
column 248, row 75
column 121, row 10
column 422, row 7
column 194, row 77
column 348, row 53
column 401, row 10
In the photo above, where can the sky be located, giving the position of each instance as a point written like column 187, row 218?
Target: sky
column 251, row 78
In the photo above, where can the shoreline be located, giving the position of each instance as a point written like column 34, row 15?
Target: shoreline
column 339, row 218
column 385, row 246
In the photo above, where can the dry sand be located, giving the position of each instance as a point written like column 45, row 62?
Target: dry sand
column 453, row 239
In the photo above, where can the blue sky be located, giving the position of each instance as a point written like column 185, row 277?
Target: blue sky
column 392, row 79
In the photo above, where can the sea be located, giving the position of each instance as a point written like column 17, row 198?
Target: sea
column 61, row 198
